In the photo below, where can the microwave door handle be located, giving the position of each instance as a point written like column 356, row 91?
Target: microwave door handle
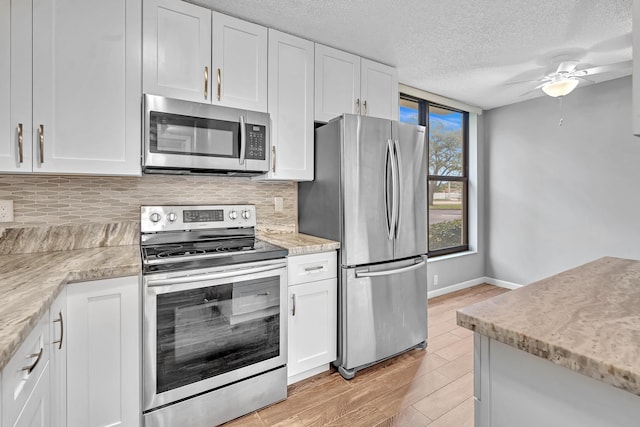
column 243, row 140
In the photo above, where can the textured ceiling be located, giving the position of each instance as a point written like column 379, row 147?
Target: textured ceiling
column 467, row 50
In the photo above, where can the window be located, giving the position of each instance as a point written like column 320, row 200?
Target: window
column 447, row 166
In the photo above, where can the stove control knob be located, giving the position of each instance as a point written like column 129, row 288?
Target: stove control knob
column 246, row 214
column 233, row 215
column 172, row 216
column 154, row 217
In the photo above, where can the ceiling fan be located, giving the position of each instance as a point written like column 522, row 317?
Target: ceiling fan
column 567, row 76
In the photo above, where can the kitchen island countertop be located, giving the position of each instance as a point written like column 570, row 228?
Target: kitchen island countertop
column 586, row 319
column 30, row 282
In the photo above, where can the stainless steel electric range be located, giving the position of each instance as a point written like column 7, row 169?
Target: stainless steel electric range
column 215, row 323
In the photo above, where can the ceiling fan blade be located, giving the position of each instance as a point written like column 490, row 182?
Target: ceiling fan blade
column 541, row 79
column 566, row 67
column 584, row 79
column 618, row 66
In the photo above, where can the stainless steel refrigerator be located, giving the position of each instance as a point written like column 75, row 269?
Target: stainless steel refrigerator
column 369, row 193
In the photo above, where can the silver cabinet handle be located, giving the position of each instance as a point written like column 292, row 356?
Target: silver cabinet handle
column 219, row 83
column 31, row 367
column 41, row 139
column 365, row 273
column 365, row 107
column 20, row 140
column 273, row 159
column 358, row 106
column 316, row 268
column 243, row 140
column 206, row 82
column 60, row 319
column 293, row 305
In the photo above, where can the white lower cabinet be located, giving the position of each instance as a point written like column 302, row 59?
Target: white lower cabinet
column 103, row 353
column 58, row 360
column 36, row 411
column 25, row 380
column 312, row 314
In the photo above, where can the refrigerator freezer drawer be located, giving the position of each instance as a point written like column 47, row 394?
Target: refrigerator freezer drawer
column 383, row 311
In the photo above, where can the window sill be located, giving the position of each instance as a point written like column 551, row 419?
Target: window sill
column 451, row 256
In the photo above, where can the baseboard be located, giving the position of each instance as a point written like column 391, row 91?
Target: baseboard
column 459, row 286
column 501, row 283
column 470, row 283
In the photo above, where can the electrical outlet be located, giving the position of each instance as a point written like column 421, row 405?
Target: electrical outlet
column 278, row 202
column 435, row 280
column 6, row 210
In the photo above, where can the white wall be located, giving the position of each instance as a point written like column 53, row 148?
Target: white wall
column 560, row 196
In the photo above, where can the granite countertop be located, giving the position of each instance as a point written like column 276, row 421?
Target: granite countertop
column 300, row 244
column 30, row 282
column 586, row 319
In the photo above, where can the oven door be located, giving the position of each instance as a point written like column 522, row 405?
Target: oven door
column 212, row 327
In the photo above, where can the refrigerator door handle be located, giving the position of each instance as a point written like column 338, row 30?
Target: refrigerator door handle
column 365, row 273
column 390, row 223
column 396, row 189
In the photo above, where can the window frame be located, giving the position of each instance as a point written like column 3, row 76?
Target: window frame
column 423, row 120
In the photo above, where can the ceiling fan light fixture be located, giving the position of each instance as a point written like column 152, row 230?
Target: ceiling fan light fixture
column 560, row 87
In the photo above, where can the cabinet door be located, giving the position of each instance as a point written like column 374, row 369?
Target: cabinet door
column 239, row 70
column 177, row 50
column 36, row 411
column 103, row 353
column 58, row 360
column 636, row 67
column 379, row 90
column 15, row 85
column 291, row 84
column 337, row 83
column 312, row 325
column 86, row 86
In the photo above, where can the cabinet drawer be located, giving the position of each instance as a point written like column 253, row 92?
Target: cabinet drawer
column 20, row 375
column 312, row 267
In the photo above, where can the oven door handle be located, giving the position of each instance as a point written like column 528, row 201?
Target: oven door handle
column 214, row 276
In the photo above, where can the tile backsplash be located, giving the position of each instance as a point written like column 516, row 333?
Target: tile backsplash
column 72, row 200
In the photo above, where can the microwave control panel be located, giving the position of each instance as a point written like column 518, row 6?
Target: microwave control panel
column 256, row 142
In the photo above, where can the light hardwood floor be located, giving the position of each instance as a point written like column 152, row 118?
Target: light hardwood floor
column 418, row 388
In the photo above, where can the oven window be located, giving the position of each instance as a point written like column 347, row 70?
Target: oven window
column 208, row 331
column 175, row 134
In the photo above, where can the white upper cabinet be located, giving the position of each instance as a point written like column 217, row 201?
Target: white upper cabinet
column 195, row 54
column 291, row 86
column 15, row 86
column 379, row 90
column 337, row 83
column 176, row 50
column 239, row 63
column 74, row 87
column 346, row 83
column 636, row 67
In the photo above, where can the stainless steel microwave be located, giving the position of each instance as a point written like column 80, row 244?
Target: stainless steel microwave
column 184, row 137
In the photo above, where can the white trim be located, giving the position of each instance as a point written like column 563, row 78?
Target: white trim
column 470, row 283
column 502, row 283
column 451, row 256
column 438, row 99
column 307, row 374
column 447, row 290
